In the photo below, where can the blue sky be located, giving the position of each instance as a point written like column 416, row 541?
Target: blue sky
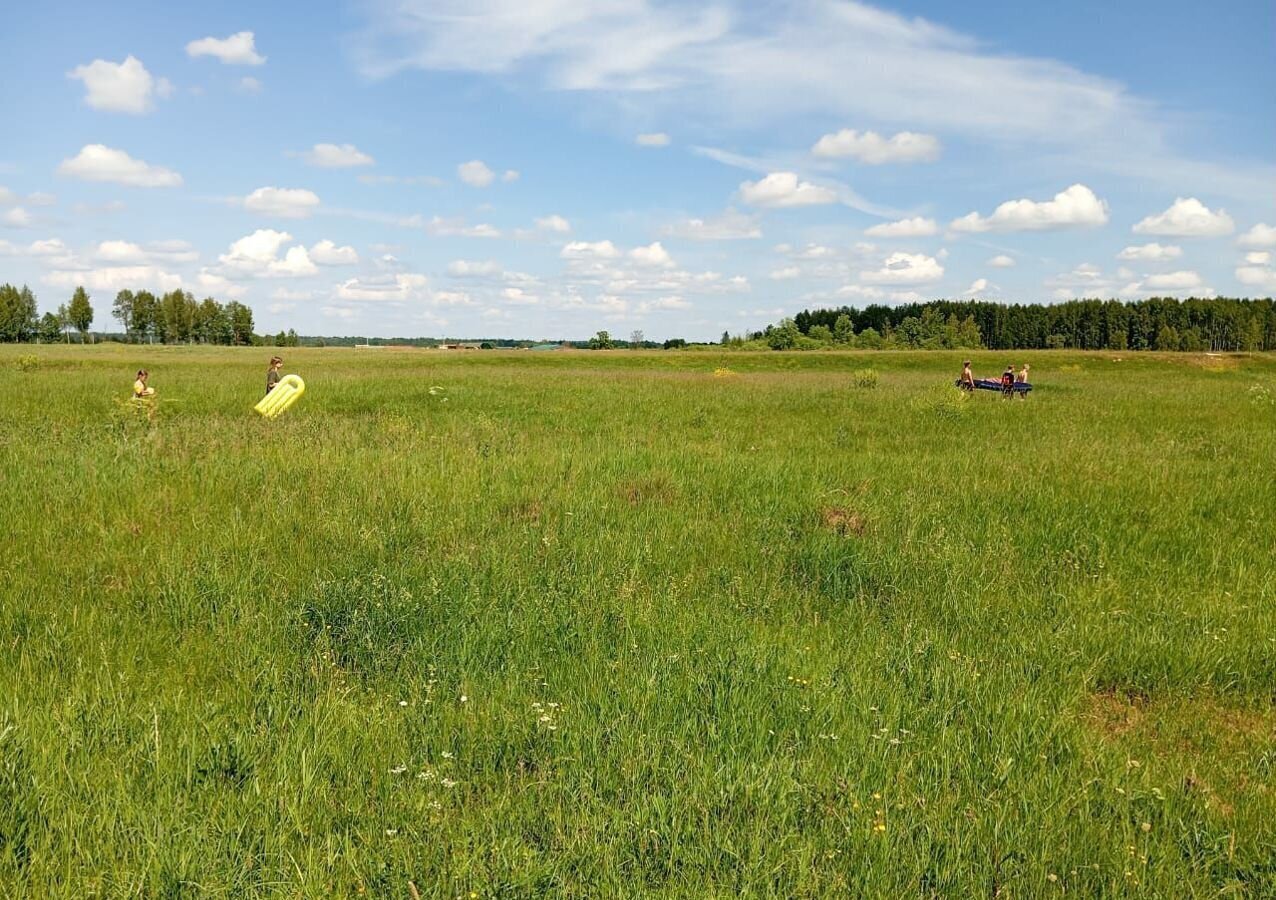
column 549, row 168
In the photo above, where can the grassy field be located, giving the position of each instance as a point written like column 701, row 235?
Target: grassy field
column 608, row 624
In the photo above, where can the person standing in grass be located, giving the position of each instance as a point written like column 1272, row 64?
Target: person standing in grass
column 967, row 377
column 1008, row 382
column 272, row 374
column 1023, row 379
column 141, row 390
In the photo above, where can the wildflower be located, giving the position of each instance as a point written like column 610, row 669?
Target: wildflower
column 398, row 770
column 1146, row 826
column 1052, row 877
column 447, row 754
column 391, row 832
column 403, row 703
column 448, row 783
column 464, row 699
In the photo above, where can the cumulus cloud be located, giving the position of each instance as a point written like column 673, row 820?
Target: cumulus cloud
column 97, row 162
column 978, row 286
column 554, row 223
column 871, row 148
column 286, row 203
column 510, row 175
column 1075, row 207
column 249, row 85
column 905, row 268
column 336, row 156
column 475, row 173
column 1151, row 252
column 468, row 268
column 1260, row 235
column 1258, row 258
column 663, row 303
column 788, row 273
column 588, row 250
column 237, row 50
column 654, row 139
column 125, row 87
column 1002, row 261
column 729, row 226
column 1258, row 275
column 653, row 255
column 1174, row 281
column 783, row 189
column 126, row 252
column 257, row 255
column 1187, row 217
column 904, row 228
column 400, row 287
column 111, row 279
column 441, row 227
column 327, row 253
column 16, row 217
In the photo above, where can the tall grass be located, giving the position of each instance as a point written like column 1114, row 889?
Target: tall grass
column 599, row 624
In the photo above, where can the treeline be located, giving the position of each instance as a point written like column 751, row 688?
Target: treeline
column 1161, row 323
column 174, row 317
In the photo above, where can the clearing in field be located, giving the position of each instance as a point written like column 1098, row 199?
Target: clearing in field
column 591, row 624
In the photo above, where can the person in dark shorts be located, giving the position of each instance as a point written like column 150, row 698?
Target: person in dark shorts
column 272, row 374
column 1008, row 382
column 967, row 377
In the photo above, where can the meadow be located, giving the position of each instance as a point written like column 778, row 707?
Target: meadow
column 620, row 624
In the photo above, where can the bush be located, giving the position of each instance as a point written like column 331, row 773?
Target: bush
column 865, row 378
column 27, row 362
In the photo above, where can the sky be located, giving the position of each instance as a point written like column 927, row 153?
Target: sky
column 549, row 168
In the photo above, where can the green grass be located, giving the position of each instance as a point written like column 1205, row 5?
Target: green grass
column 607, row 624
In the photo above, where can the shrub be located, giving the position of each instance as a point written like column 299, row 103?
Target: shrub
column 865, row 378
column 27, row 362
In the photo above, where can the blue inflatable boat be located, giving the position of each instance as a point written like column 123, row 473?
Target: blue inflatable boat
column 990, row 384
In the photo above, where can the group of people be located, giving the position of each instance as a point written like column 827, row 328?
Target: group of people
column 143, row 391
column 1008, row 380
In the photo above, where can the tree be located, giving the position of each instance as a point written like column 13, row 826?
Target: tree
column 241, row 323
column 600, row 341
column 281, row 339
column 820, row 333
column 80, row 312
column 17, row 313
column 1167, row 338
column 726, row 338
column 636, row 339
column 783, row 336
column 843, row 329
column 122, row 310
column 145, row 314
column 50, row 329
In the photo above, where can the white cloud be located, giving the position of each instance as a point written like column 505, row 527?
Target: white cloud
column 336, row 156
column 1261, row 277
column 96, row 162
column 441, row 227
column 788, row 273
column 1002, row 261
column 401, row 287
column 587, row 250
column 553, row 223
column 327, row 253
column 654, row 139
column 871, row 148
column 519, row 297
column 654, row 256
column 1260, row 235
column 1151, row 252
column 663, row 303
column 126, row 252
column 1187, row 217
column 905, row 268
column 339, row 312
column 116, row 278
column 978, row 286
column 16, row 217
column 1174, row 281
column 237, row 50
column 475, row 173
column 729, row 226
column 249, row 85
column 427, row 180
column 510, row 175
column 1258, row 258
column 119, row 87
column 257, row 254
column 783, row 189
column 468, row 268
column 286, row 203
column 1077, row 206
column 904, row 228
